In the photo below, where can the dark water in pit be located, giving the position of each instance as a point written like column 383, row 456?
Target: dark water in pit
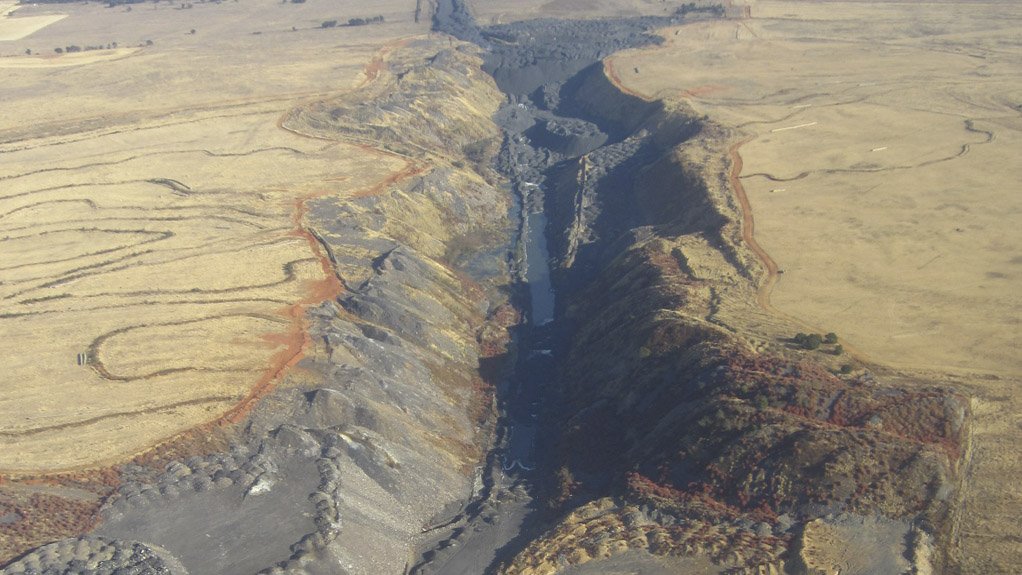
column 537, row 270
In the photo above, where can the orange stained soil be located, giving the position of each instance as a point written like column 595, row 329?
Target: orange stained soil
column 296, row 338
column 379, row 62
column 611, row 70
column 410, row 170
column 749, row 227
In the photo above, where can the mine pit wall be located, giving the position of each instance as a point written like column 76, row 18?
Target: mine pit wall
column 659, row 412
column 659, row 180
column 595, row 95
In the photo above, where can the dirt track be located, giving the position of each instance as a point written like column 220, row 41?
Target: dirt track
column 749, row 228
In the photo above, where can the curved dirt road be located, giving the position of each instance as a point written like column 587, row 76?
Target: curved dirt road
column 749, row 228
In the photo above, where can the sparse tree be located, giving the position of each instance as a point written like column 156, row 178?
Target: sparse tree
column 58, row 50
column 830, row 338
column 28, row 51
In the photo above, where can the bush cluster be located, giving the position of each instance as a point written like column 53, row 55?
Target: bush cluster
column 814, row 340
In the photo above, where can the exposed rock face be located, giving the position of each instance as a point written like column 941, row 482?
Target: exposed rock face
column 667, row 431
column 431, row 100
column 569, row 137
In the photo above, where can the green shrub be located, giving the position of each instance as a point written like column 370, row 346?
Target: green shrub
column 808, row 340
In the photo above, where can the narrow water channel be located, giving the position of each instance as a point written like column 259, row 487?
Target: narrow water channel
column 537, row 270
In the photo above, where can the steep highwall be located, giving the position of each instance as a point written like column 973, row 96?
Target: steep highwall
column 658, row 172
column 596, row 96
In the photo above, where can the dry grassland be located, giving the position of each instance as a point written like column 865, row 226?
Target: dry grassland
column 879, row 144
column 154, row 267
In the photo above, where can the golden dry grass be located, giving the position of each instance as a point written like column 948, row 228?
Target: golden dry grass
column 151, row 217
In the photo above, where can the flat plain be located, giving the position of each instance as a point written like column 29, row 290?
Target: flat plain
column 154, row 268
column 878, row 151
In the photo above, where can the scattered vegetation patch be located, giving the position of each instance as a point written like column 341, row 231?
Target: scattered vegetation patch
column 365, row 21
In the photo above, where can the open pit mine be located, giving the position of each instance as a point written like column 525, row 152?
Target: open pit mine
column 452, row 300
